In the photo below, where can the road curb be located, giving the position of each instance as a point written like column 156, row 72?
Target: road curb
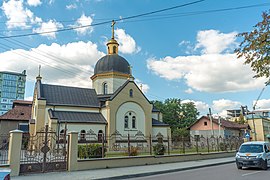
column 163, row 172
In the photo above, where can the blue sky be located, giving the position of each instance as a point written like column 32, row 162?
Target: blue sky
column 184, row 53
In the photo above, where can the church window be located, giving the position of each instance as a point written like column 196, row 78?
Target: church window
column 133, row 122
column 114, row 49
column 126, row 121
column 130, row 93
column 100, row 136
column 105, row 88
column 82, row 135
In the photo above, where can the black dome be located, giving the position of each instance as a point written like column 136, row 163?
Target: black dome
column 112, row 63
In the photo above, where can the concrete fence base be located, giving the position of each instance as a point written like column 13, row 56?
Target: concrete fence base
column 145, row 160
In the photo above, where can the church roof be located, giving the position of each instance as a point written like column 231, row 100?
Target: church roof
column 68, row 96
column 158, row 123
column 112, row 63
column 77, row 117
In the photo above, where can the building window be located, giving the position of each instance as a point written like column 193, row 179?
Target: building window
column 126, row 122
column 130, row 120
column 114, row 49
column 82, row 135
column 100, row 136
column 130, row 93
column 205, row 123
column 133, row 122
column 105, row 88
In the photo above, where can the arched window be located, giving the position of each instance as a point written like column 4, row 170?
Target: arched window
column 131, row 93
column 114, row 49
column 82, row 135
column 130, row 120
column 133, row 122
column 105, row 88
column 126, row 122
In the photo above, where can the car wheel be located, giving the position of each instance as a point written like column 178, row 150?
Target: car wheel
column 264, row 165
column 238, row 166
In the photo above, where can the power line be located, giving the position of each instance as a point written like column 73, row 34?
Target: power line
column 105, row 22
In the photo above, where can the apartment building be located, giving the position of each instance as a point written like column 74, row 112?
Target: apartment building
column 12, row 87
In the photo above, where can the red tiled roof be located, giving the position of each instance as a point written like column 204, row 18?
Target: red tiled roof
column 21, row 111
column 227, row 124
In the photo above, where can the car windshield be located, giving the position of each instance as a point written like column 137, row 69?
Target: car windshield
column 251, row 148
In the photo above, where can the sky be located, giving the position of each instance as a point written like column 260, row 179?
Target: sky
column 186, row 52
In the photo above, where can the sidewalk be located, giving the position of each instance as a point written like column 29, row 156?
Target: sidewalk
column 126, row 172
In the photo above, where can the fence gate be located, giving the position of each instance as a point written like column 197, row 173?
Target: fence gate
column 44, row 152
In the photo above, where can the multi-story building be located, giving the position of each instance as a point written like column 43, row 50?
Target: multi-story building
column 259, row 121
column 12, row 87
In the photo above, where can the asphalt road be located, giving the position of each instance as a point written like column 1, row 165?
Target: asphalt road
column 221, row 172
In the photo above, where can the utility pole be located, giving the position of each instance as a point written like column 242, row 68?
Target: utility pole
column 211, row 121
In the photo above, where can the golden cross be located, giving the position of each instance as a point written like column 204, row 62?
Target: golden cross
column 113, row 23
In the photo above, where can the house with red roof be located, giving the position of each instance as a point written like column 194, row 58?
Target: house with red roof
column 16, row 118
column 207, row 127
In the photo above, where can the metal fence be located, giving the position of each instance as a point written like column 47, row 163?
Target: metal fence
column 4, row 143
column 91, row 145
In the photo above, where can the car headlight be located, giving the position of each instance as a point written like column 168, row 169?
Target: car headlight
column 237, row 156
column 259, row 156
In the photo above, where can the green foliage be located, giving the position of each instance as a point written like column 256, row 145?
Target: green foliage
column 222, row 146
column 177, row 114
column 159, row 149
column 240, row 120
column 89, row 151
column 255, row 47
column 178, row 134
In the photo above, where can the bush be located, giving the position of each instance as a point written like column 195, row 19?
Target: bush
column 222, row 146
column 90, row 151
column 133, row 151
column 159, row 149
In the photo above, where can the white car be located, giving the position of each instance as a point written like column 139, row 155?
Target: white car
column 253, row 154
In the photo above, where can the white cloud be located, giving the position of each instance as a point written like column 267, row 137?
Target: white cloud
column 71, row 6
column 127, row 44
column 34, row 2
column 30, row 98
column 51, row 25
column 208, row 72
column 225, row 104
column 262, row 104
column 144, row 87
column 84, row 21
column 81, row 58
column 214, row 42
column 17, row 15
column 221, row 106
column 189, row 91
column 201, row 106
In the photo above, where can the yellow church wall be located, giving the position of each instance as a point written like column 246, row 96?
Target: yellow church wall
column 40, row 116
column 162, row 130
column 137, row 98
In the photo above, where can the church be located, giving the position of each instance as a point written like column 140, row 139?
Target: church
column 115, row 104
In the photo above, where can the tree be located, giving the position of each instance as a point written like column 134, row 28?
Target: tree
column 177, row 114
column 255, row 47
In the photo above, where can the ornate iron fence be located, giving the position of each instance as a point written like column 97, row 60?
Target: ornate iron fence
column 93, row 145
column 44, row 152
column 4, row 143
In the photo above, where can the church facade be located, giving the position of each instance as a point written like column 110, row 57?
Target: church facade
column 115, row 105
